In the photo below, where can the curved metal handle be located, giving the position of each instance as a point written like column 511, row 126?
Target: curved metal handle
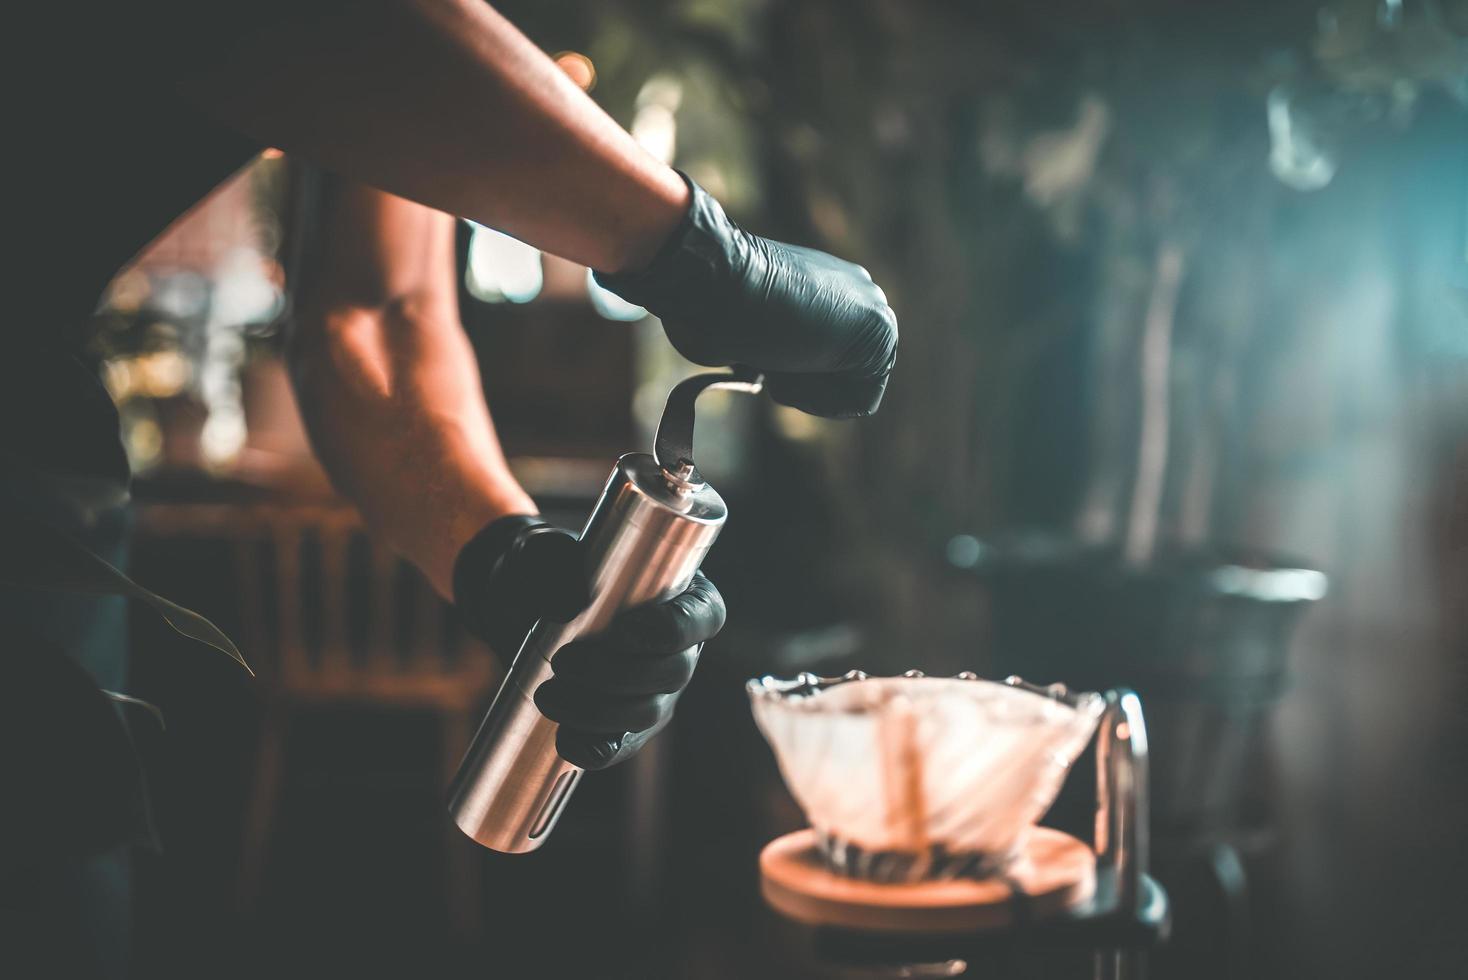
column 673, row 445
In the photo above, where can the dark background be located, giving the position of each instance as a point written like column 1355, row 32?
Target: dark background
column 1036, row 186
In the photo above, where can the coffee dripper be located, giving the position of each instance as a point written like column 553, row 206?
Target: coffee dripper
column 924, row 854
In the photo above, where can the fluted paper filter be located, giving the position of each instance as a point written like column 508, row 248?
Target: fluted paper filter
column 949, row 772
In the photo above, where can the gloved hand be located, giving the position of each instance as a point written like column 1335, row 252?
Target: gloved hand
column 611, row 692
column 817, row 327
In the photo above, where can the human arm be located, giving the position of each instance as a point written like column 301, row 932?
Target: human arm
column 446, row 103
column 443, row 102
column 387, row 382
column 391, row 397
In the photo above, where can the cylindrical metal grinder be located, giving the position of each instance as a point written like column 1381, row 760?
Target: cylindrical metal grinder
column 647, row 535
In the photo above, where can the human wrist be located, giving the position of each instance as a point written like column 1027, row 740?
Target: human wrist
column 650, row 223
column 692, row 279
column 478, row 566
column 462, row 505
column 699, row 245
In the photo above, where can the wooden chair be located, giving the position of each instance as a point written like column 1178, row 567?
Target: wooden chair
column 328, row 618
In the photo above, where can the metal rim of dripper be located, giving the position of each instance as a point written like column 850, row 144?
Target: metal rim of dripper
column 805, row 684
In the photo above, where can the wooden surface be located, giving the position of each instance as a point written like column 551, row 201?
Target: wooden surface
column 1054, row 872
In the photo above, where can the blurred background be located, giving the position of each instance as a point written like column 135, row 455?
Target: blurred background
column 1182, row 403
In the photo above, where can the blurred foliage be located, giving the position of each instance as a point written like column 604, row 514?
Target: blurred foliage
column 1013, row 170
column 709, row 50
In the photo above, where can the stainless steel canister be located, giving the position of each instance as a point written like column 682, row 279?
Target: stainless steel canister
column 646, row 537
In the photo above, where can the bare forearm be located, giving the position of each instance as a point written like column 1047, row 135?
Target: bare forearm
column 425, row 480
column 444, row 102
column 388, row 386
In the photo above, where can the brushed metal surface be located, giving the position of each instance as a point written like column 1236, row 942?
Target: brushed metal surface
column 643, row 541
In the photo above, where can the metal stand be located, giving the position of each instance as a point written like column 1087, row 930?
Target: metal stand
column 1126, row 914
column 1138, row 908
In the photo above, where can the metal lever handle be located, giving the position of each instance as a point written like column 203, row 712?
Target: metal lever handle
column 673, row 445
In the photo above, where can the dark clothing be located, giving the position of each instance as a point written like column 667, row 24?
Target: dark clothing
column 76, row 800
column 102, row 155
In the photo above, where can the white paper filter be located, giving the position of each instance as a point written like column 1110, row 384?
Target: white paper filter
column 907, row 763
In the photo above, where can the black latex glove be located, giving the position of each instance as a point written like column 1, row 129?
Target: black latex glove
column 817, row 326
column 611, row 691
